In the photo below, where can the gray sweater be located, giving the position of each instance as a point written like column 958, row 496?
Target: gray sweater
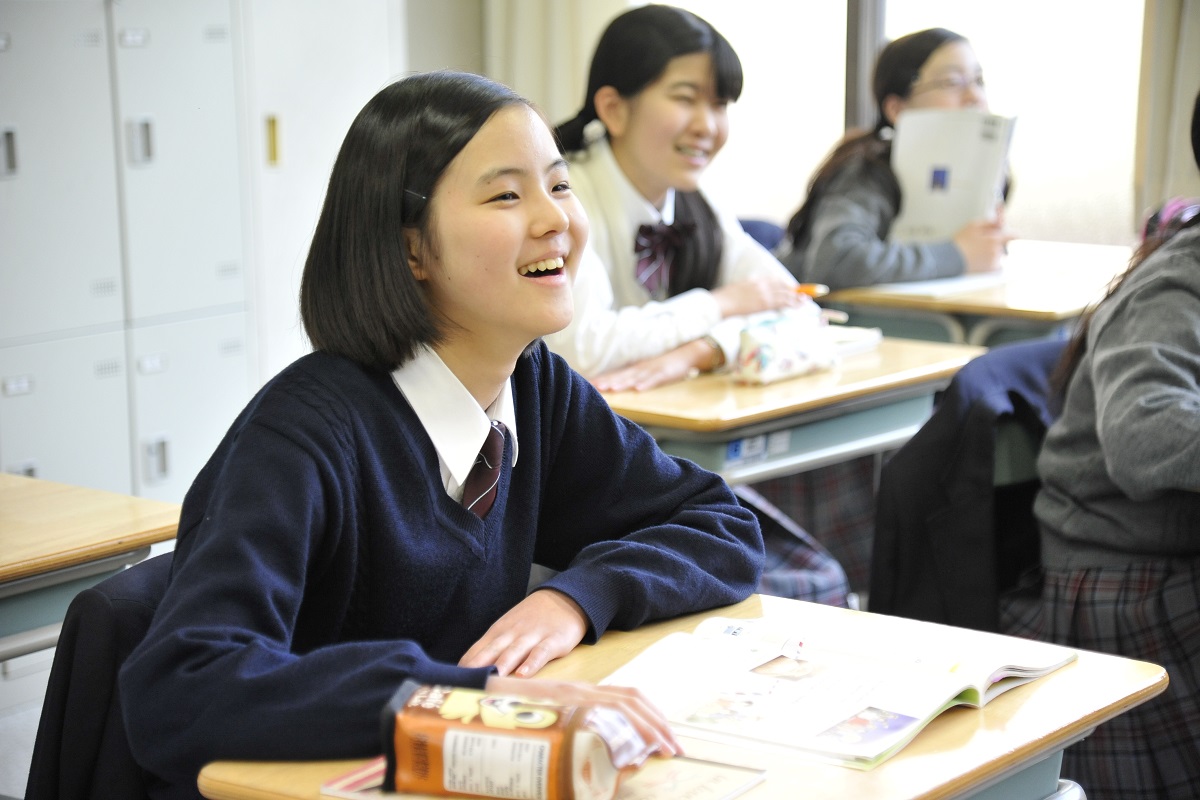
column 848, row 245
column 1121, row 467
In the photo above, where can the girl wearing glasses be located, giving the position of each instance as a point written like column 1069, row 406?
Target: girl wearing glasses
column 839, row 235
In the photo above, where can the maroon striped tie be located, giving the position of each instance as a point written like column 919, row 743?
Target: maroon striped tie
column 655, row 246
column 479, row 491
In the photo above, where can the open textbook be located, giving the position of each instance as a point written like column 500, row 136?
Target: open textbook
column 854, row 699
column 951, row 165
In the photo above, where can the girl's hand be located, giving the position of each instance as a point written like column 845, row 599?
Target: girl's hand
column 674, row 365
column 641, row 713
column 542, row 627
column 983, row 244
column 757, row 294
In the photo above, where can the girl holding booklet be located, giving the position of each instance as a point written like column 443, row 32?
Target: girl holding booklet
column 334, row 545
column 1119, row 512
column 839, row 236
column 649, row 127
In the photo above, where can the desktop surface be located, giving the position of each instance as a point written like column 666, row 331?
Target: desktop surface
column 1039, row 282
column 716, row 403
column 47, row 526
column 962, row 751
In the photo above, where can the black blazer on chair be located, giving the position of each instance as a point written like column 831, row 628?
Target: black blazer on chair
column 947, row 541
column 81, row 751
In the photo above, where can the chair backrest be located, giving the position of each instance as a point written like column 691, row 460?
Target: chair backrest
column 949, row 535
column 81, row 749
column 768, row 234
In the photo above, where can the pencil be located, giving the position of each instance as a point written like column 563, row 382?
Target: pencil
column 812, row 289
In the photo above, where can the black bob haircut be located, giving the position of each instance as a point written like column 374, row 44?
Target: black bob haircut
column 358, row 296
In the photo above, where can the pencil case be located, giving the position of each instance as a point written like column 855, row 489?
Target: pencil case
column 445, row 740
column 782, row 346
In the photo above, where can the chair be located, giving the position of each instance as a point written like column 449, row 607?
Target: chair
column 81, row 750
column 954, row 526
column 765, row 232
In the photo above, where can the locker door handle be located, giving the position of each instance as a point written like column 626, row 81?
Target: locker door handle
column 8, row 167
column 140, row 136
column 272, row 140
column 157, row 467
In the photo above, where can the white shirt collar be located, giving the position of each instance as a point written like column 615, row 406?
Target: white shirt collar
column 456, row 424
column 637, row 207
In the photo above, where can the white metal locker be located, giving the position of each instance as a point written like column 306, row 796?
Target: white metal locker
column 190, row 380
column 60, row 257
column 64, row 411
column 178, row 130
column 299, row 109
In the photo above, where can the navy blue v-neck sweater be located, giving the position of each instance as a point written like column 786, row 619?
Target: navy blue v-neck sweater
column 320, row 561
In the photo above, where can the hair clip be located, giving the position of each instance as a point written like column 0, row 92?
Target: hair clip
column 411, row 205
column 593, row 132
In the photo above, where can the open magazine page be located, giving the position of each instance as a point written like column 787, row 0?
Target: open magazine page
column 951, row 165
column 851, row 699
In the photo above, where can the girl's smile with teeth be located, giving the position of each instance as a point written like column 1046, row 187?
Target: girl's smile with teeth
column 545, row 265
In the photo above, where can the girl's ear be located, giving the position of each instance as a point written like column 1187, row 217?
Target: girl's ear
column 412, row 243
column 612, row 109
column 893, row 104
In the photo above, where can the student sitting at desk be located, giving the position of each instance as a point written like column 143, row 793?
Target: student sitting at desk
column 1119, row 513
column 839, row 235
column 668, row 274
column 338, row 540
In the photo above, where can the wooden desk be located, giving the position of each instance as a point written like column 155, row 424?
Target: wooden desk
column 1010, row 748
column 56, row 540
column 1042, row 287
column 870, row 403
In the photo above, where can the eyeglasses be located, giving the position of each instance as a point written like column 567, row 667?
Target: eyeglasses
column 950, row 83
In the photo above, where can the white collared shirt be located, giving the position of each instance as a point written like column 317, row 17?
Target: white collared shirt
column 454, row 421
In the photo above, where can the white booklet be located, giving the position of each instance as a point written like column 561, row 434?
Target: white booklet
column 951, row 165
column 852, row 697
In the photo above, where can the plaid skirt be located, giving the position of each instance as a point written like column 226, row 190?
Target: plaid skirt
column 797, row 566
column 836, row 504
column 1148, row 611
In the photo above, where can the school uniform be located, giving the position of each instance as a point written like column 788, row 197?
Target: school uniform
column 323, row 556
column 848, row 245
column 1119, row 513
column 618, row 322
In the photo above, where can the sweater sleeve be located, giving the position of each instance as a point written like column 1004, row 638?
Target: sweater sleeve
column 225, row 671
column 637, row 534
column 848, row 245
column 1145, row 369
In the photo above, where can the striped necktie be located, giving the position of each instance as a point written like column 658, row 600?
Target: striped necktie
column 655, row 247
column 479, row 490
